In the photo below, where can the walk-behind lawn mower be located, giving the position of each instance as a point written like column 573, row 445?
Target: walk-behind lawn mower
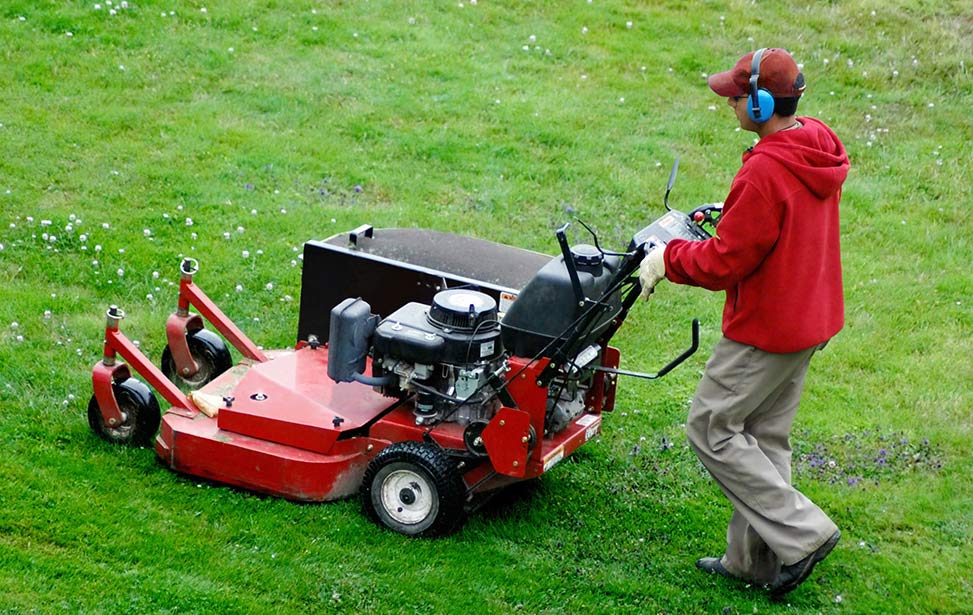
column 491, row 364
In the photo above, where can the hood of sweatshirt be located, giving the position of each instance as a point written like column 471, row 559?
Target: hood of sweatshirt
column 813, row 154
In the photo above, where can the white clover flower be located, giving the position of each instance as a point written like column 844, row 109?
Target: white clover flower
column 15, row 325
column 47, row 314
column 147, row 232
column 98, row 248
column 226, row 235
column 155, row 275
column 105, row 225
column 189, row 221
column 269, row 286
column 240, row 229
column 246, row 253
column 45, row 222
column 239, row 288
column 120, row 272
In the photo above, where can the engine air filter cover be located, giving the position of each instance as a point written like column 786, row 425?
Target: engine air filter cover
column 462, row 309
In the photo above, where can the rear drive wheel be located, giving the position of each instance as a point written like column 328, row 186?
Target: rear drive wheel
column 210, row 353
column 414, row 488
column 140, row 415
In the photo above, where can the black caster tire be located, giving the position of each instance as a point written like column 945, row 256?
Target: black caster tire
column 141, row 415
column 210, row 353
column 415, row 489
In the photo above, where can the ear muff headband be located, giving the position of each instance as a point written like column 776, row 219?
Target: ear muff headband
column 760, row 103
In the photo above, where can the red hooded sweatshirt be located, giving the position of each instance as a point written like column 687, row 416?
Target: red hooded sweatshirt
column 777, row 253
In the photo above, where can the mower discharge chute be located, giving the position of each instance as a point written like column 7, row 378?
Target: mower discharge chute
column 492, row 364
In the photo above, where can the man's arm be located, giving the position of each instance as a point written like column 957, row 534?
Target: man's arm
column 748, row 229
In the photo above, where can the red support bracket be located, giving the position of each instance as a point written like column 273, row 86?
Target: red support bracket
column 109, row 370
column 507, row 440
column 182, row 321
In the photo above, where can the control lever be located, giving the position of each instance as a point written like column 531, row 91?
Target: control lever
column 665, row 370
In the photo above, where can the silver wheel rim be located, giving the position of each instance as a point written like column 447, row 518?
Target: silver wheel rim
column 407, row 497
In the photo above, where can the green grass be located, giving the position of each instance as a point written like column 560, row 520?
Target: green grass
column 271, row 123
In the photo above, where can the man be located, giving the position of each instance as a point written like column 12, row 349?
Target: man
column 777, row 256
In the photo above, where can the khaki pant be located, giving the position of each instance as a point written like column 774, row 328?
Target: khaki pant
column 739, row 426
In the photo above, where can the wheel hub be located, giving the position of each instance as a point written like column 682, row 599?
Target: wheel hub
column 407, row 497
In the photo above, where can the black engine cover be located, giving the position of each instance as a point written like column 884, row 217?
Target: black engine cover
column 407, row 334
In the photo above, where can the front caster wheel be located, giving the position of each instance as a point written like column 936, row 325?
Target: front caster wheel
column 210, row 353
column 414, row 488
column 140, row 413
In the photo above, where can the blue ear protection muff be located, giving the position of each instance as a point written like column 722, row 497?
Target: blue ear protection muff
column 760, row 103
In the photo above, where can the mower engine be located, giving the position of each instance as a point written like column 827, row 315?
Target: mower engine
column 445, row 354
column 452, row 355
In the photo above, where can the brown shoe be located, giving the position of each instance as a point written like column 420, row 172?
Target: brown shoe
column 795, row 574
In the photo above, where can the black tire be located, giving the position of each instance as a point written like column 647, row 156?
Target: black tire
column 210, row 353
column 140, row 409
column 414, row 488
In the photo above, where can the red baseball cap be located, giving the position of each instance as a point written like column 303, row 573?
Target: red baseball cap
column 778, row 74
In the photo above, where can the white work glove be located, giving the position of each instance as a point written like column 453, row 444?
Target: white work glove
column 652, row 270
